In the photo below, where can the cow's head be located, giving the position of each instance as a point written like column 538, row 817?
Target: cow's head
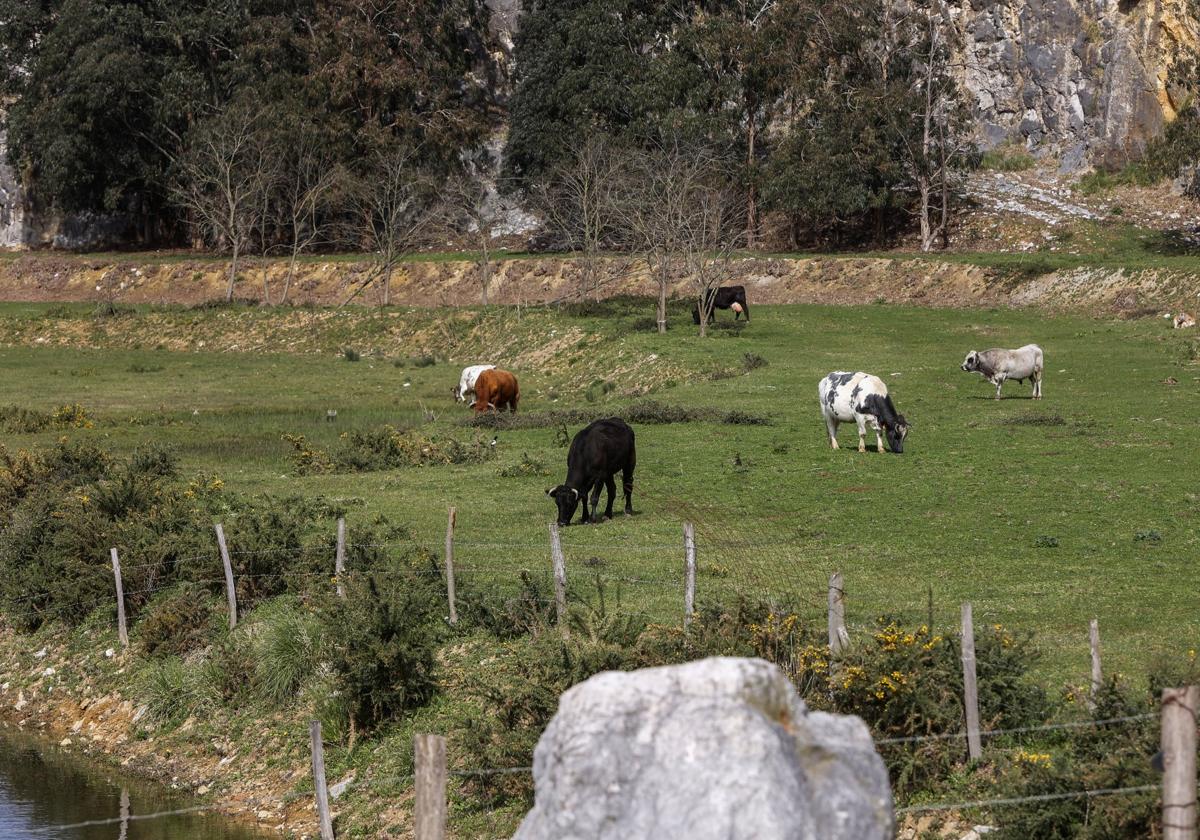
column 896, row 433
column 458, row 393
column 971, row 363
column 567, row 499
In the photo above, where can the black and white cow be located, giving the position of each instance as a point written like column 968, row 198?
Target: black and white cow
column 997, row 365
column 598, row 452
column 862, row 398
column 725, row 297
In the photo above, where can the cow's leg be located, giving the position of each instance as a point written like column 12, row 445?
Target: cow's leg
column 627, row 486
column 831, row 425
column 999, row 384
column 878, row 439
column 596, row 502
column 1037, row 384
column 862, row 434
column 583, row 500
column 746, row 311
column 611, row 486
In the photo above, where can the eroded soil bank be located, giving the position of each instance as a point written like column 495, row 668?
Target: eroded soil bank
column 180, row 279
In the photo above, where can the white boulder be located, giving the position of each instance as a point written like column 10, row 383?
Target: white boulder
column 719, row 749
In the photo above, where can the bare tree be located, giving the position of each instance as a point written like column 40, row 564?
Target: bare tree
column 942, row 146
column 581, row 202
column 392, row 203
column 307, row 188
column 678, row 211
column 220, row 181
column 470, row 213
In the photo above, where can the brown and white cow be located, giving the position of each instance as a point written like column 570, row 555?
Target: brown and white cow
column 496, row 390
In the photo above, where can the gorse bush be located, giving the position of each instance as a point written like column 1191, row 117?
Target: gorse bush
column 383, row 636
column 177, row 621
column 63, row 507
column 386, row 448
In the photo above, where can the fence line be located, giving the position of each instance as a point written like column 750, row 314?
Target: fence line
column 114, row 820
column 1016, row 730
column 1020, row 800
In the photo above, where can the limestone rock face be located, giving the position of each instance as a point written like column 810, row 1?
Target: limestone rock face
column 12, row 204
column 720, row 749
column 1089, row 81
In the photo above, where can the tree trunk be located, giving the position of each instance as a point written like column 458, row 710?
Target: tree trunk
column 387, row 287
column 287, row 282
column 663, row 275
column 485, row 270
column 752, row 192
column 704, row 310
column 232, row 273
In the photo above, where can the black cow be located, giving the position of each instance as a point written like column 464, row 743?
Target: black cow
column 725, row 297
column 597, row 453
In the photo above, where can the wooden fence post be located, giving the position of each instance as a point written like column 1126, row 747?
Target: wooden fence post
column 339, row 561
column 122, row 631
column 322, row 791
column 1179, row 762
column 970, row 687
column 450, row 565
column 839, row 639
column 429, row 809
column 1097, row 674
column 560, row 580
column 689, row 573
column 230, row 591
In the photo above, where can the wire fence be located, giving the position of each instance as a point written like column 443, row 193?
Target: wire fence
column 734, row 566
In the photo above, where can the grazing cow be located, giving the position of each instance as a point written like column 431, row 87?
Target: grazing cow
column 466, row 382
column 864, row 399
column 998, row 365
column 495, row 390
column 597, row 453
column 1184, row 320
column 725, row 297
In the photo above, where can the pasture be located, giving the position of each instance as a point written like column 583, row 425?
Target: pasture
column 1043, row 514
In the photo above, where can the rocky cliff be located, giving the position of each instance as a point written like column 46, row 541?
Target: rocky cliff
column 1086, row 81
column 12, row 205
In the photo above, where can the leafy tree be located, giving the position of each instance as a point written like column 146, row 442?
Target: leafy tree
column 586, row 67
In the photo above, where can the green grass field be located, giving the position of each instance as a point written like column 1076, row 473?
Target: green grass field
column 1042, row 514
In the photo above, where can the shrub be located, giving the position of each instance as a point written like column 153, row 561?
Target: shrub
column 308, row 459
column 386, row 448
column 154, row 460
column 383, row 636
column 422, row 361
column 176, row 622
column 111, row 309
column 526, row 467
column 753, row 361
column 15, row 420
column 350, row 354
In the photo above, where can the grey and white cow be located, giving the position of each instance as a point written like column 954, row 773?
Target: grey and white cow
column 863, row 399
column 997, row 366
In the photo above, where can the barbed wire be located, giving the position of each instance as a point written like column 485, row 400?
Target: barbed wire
column 115, row 820
column 1021, row 800
column 989, row 733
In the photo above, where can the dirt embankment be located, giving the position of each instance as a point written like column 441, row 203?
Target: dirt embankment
column 73, row 698
column 524, row 281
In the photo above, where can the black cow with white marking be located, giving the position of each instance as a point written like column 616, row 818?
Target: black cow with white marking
column 598, row 452
column 725, row 297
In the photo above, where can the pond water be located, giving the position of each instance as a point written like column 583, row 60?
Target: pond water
column 45, row 793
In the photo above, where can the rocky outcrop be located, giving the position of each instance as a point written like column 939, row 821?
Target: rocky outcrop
column 1088, row 81
column 720, row 748
column 12, row 203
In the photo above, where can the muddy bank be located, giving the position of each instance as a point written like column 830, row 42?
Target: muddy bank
column 523, row 281
column 76, row 696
